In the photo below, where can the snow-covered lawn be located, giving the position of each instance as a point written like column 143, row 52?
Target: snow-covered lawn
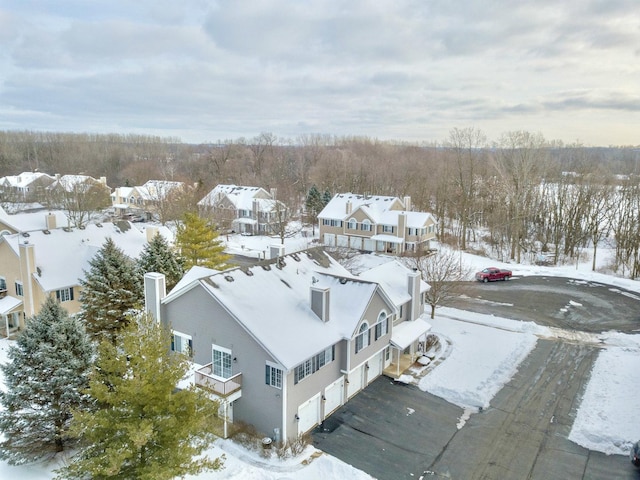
column 485, row 353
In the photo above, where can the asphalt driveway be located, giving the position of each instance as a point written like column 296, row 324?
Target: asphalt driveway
column 395, row 431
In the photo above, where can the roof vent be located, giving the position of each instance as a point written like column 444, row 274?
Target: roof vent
column 229, row 278
column 343, row 280
column 66, row 229
column 81, row 227
column 39, row 270
column 25, row 234
column 266, row 267
column 280, row 263
column 46, row 232
column 295, row 257
column 248, row 272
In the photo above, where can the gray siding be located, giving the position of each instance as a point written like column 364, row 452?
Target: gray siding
column 208, row 323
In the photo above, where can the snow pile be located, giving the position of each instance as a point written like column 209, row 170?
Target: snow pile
column 481, row 361
column 608, row 420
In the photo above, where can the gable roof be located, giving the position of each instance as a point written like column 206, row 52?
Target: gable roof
column 63, row 254
column 279, row 315
column 28, row 222
column 372, row 205
column 24, row 179
column 68, row 182
column 241, row 197
column 392, row 276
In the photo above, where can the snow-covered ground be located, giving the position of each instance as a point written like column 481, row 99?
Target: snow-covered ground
column 484, row 354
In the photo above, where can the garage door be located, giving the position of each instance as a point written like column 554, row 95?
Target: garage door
column 355, row 381
column 342, row 241
column 309, row 413
column 333, row 395
column 330, row 239
column 356, row 242
column 375, row 367
column 369, row 245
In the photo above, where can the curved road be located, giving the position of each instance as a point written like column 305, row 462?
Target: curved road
column 524, row 433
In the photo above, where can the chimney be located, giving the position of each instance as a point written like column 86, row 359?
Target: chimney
column 407, row 203
column 50, row 221
column 349, row 207
column 402, row 225
column 103, row 180
column 414, row 292
column 320, row 302
column 155, row 290
column 57, row 176
column 276, row 251
column 27, row 268
column 151, row 232
column 273, row 192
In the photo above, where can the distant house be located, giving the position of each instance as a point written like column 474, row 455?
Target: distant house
column 248, row 210
column 67, row 183
column 26, row 187
column 283, row 344
column 143, row 199
column 27, row 222
column 50, row 261
column 375, row 223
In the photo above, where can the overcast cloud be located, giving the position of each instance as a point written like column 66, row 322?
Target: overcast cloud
column 406, row 70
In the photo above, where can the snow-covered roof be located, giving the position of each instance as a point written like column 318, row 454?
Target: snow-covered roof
column 393, row 277
column 23, row 180
column 8, row 303
column 68, row 182
column 381, row 209
column 28, row 222
column 241, row 197
column 405, row 333
column 273, row 303
column 62, row 255
column 374, row 205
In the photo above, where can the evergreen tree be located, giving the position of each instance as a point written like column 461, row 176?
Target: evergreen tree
column 314, row 205
column 199, row 244
column 47, row 373
column 158, row 256
column 112, row 288
column 145, row 428
column 326, row 197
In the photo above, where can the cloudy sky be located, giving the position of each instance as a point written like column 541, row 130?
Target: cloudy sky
column 204, row 70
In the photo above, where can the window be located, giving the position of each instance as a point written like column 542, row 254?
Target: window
column 273, row 375
column 19, row 289
column 362, row 340
column 387, row 228
column 3, row 283
column 331, row 222
column 314, row 364
column 181, row 342
column 353, row 224
column 64, row 295
column 382, row 327
column 401, row 310
column 366, row 225
column 221, row 362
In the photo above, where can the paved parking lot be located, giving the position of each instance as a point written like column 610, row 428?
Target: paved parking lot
column 394, row 431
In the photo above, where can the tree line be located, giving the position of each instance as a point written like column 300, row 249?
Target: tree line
column 521, row 193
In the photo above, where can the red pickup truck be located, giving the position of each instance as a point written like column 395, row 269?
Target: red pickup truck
column 492, row 274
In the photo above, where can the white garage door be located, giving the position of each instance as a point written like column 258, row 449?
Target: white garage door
column 333, row 395
column 356, row 242
column 309, row 413
column 369, row 245
column 330, row 239
column 355, row 381
column 342, row 241
column 375, row 367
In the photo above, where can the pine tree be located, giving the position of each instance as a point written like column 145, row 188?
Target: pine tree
column 111, row 289
column 199, row 244
column 314, row 205
column 326, row 197
column 145, row 428
column 47, row 373
column 158, row 256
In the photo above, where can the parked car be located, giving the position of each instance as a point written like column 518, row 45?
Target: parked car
column 492, row 274
column 635, row 454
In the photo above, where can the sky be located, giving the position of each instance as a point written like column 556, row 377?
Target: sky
column 408, row 70
column 605, row 421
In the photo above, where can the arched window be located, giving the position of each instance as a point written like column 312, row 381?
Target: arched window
column 362, row 340
column 382, row 325
column 366, row 225
column 353, row 224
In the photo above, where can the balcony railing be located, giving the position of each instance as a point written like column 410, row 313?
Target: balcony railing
column 204, row 378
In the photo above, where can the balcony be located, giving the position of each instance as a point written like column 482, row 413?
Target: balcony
column 223, row 388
